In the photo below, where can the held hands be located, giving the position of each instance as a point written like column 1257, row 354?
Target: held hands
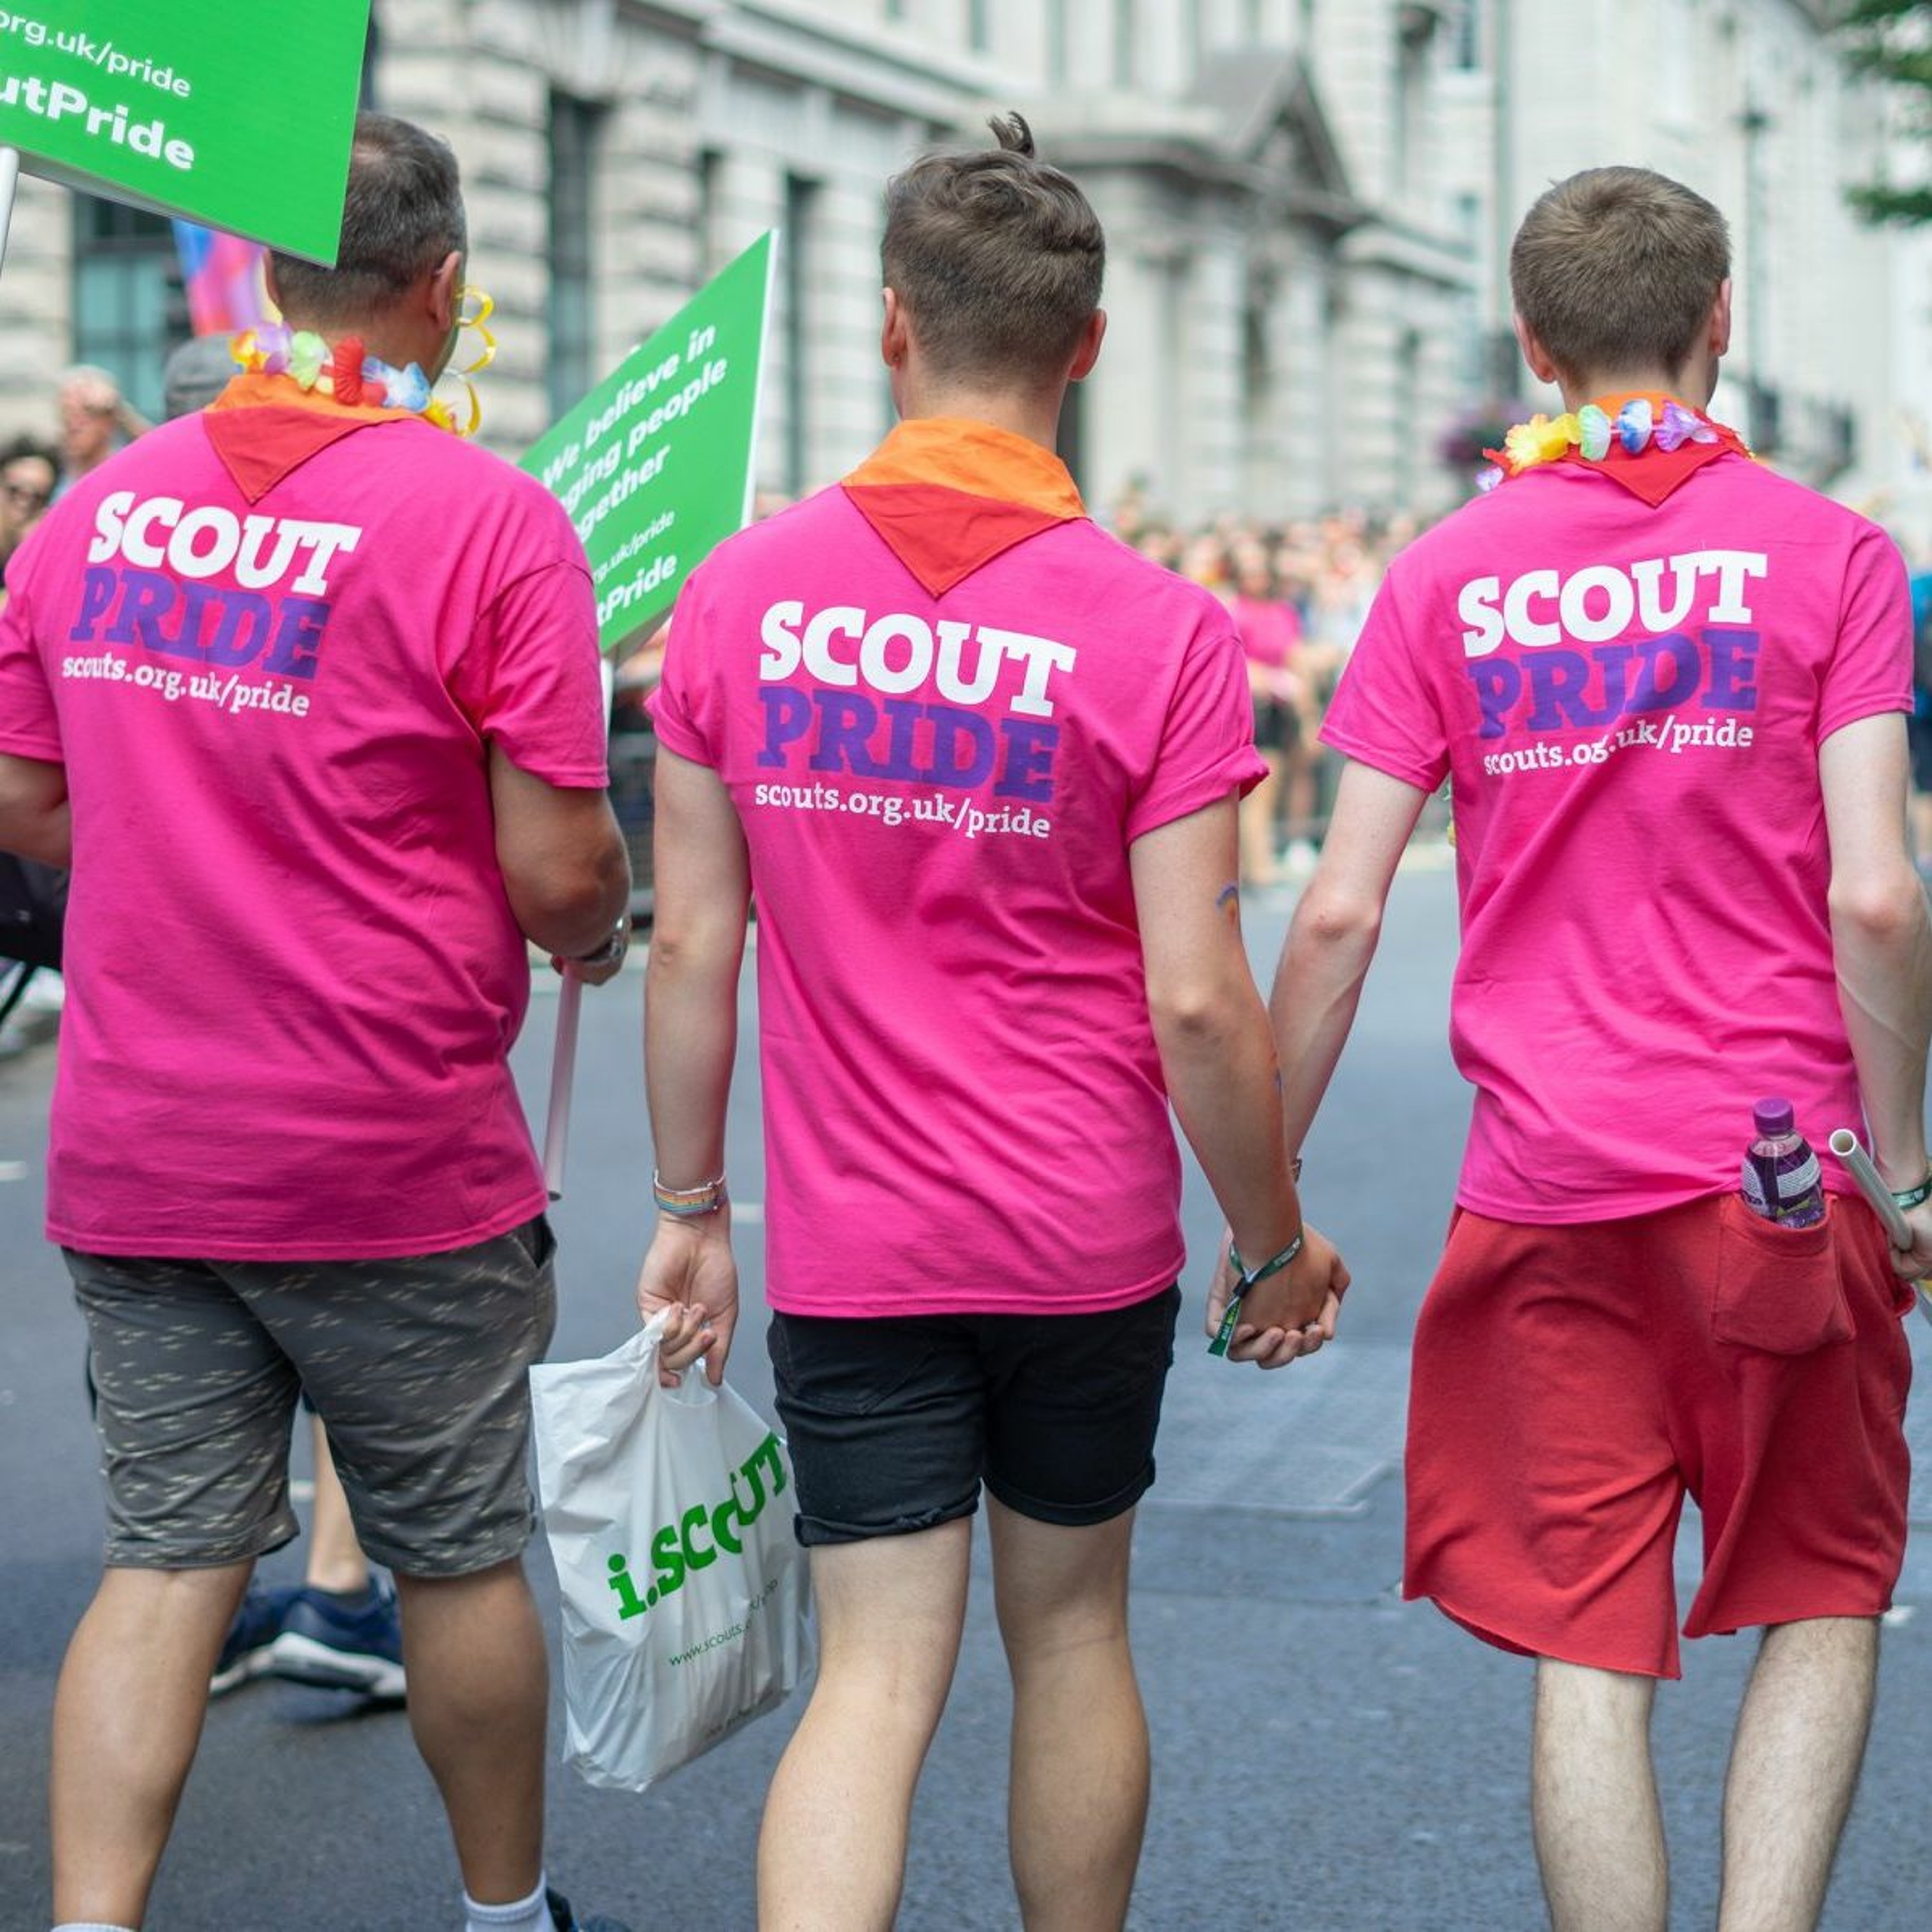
column 1288, row 1315
column 691, row 1271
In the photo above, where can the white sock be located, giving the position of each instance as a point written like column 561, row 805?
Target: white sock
column 88, row 1925
column 523, row 1915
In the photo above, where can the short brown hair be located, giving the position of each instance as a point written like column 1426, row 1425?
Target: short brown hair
column 997, row 256
column 1615, row 270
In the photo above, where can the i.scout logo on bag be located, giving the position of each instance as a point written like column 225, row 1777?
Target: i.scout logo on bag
column 675, row 1550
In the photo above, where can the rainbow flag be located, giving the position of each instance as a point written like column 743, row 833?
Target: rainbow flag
column 223, row 276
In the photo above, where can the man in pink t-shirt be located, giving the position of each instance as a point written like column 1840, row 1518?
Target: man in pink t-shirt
column 1667, row 688
column 978, row 762
column 309, row 691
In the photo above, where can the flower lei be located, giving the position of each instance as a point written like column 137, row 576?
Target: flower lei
column 352, row 377
column 1592, row 431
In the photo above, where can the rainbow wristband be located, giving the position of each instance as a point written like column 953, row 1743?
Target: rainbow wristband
column 688, row 1204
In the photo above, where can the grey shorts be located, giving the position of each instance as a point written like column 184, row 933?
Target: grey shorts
column 417, row 1364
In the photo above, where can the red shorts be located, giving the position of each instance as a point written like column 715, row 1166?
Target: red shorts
column 1571, row 1383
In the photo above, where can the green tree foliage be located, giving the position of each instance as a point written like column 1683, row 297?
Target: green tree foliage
column 1891, row 40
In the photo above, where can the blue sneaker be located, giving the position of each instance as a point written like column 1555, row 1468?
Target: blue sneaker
column 567, row 1920
column 337, row 1649
column 248, row 1649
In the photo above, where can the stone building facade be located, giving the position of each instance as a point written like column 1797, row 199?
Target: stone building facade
column 1304, row 200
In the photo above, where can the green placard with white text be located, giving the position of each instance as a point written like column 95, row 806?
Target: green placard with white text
column 235, row 117
column 654, row 464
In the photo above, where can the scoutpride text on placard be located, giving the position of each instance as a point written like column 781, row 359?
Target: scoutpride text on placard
column 171, row 108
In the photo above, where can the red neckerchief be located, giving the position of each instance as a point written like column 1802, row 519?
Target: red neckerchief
column 949, row 494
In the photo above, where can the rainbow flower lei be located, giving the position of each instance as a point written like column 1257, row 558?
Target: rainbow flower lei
column 1592, row 431
column 349, row 374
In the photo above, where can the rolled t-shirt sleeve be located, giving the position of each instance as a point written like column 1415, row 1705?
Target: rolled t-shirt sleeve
column 684, row 707
column 1870, row 670
column 1384, row 713
column 1207, row 738
column 532, row 684
column 29, row 724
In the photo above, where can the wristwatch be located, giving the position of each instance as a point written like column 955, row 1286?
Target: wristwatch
column 613, row 949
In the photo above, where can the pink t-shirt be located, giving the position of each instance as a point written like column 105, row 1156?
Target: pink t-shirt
column 964, row 1106
column 293, row 973
column 1629, row 703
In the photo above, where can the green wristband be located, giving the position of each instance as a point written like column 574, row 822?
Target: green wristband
column 1916, row 1197
column 1246, row 1278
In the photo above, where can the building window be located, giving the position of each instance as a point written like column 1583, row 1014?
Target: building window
column 1124, row 50
column 800, row 198
column 573, row 138
column 710, row 206
column 129, row 306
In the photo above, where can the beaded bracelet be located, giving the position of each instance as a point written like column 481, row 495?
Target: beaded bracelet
column 1916, row 1197
column 688, row 1204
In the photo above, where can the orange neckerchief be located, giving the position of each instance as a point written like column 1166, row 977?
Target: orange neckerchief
column 948, row 494
column 266, row 427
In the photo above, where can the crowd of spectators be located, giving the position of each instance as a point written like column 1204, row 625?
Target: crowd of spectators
column 1299, row 592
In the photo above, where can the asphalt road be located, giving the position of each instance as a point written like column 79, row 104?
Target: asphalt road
column 1327, row 1757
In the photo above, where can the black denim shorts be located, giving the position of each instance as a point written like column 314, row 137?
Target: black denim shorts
column 893, row 1422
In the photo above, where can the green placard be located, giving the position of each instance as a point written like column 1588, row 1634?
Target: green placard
column 654, row 464
column 237, row 118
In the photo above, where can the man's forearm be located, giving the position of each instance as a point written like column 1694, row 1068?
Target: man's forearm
column 690, row 1042
column 1317, row 987
column 1220, row 1073
column 1883, row 952
column 35, row 819
column 573, row 924
column 45, row 836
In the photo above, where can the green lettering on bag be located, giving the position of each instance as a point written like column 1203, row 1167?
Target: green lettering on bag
column 674, row 1554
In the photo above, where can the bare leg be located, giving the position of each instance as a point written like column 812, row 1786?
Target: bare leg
column 479, row 1697
column 1794, row 1766
column 128, row 1716
column 1077, row 1804
column 1593, row 1800
column 831, row 1851
column 335, row 1559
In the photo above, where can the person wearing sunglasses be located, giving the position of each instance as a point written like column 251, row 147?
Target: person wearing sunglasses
column 27, row 472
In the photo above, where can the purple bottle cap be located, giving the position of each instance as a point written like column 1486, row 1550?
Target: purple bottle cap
column 1773, row 1118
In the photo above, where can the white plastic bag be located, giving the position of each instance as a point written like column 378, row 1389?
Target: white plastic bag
column 668, row 1512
